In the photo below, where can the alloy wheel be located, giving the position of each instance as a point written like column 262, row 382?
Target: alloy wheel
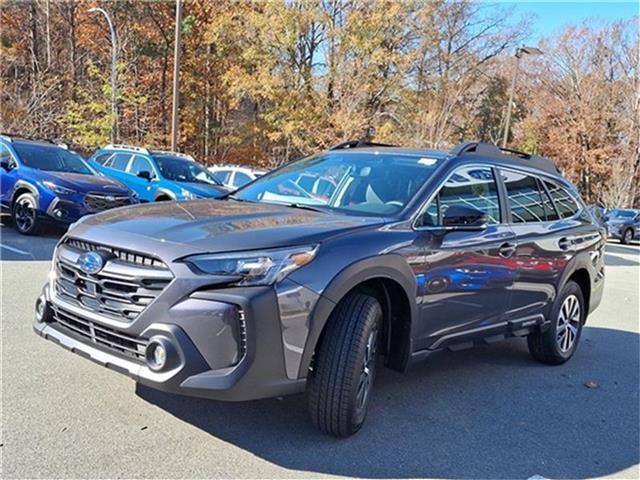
column 628, row 236
column 568, row 324
column 368, row 370
column 25, row 215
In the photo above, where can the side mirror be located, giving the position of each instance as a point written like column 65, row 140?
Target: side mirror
column 146, row 175
column 459, row 217
column 5, row 164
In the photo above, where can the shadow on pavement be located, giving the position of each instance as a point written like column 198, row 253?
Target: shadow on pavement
column 17, row 247
column 490, row 412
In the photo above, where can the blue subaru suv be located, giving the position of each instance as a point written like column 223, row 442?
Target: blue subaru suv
column 41, row 181
column 158, row 175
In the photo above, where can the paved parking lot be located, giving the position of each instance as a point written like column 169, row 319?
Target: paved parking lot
column 484, row 413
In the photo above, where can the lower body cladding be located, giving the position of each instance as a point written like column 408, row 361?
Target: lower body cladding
column 222, row 344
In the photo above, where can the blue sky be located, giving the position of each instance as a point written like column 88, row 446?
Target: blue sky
column 550, row 16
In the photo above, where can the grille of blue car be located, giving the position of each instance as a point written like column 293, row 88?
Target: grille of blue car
column 99, row 202
column 122, row 289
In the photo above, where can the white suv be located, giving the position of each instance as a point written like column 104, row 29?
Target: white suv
column 234, row 176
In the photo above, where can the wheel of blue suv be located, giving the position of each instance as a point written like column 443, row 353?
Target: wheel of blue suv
column 559, row 342
column 627, row 236
column 25, row 214
column 344, row 367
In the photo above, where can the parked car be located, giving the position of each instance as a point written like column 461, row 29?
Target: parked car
column 273, row 291
column 235, row 176
column 623, row 224
column 157, row 175
column 42, row 181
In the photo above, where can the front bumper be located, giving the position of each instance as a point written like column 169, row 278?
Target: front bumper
column 71, row 209
column 211, row 360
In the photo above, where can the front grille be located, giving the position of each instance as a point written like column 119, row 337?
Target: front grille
column 124, row 287
column 99, row 202
column 115, row 341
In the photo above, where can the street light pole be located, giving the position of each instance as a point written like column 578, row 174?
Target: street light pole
column 176, row 77
column 114, row 73
column 519, row 52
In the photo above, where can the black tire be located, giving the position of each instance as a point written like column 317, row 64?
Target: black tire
column 627, row 236
column 554, row 346
column 24, row 213
column 344, row 365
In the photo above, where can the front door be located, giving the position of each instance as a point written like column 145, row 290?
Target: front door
column 8, row 178
column 465, row 278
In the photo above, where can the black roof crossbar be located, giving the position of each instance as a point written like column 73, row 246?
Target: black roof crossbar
column 358, row 144
column 515, row 156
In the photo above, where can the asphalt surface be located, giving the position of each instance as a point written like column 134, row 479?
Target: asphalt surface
column 490, row 412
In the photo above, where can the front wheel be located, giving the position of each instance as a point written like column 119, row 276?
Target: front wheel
column 627, row 236
column 559, row 342
column 344, row 366
column 25, row 214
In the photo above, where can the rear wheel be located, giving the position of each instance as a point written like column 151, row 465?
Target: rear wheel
column 339, row 386
column 25, row 214
column 559, row 342
column 627, row 236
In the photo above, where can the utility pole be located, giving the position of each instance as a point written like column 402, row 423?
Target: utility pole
column 176, row 76
column 114, row 73
column 519, row 52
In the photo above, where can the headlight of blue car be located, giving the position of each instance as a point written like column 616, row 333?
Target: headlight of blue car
column 57, row 189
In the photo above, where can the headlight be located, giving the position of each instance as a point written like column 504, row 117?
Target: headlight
column 254, row 268
column 57, row 188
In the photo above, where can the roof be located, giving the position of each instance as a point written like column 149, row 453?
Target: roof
column 486, row 151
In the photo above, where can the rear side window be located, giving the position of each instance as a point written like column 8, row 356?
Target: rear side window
column 119, row 161
column 102, row 159
column 566, row 205
column 528, row 200
column 469, row 187
column 241, row 179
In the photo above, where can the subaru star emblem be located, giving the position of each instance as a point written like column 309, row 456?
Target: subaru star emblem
column 90, row 262
column 110, row 198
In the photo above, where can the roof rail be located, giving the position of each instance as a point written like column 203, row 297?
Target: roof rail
column 358, row 144
column 515, row 156
column 177, row 154
column 133, row 148
column 10, row 136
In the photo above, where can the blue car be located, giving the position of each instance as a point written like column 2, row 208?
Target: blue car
column 41, row 181
column 157, row 175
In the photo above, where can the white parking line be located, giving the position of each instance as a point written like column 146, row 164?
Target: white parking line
column 15, row 250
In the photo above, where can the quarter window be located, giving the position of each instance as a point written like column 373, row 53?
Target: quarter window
column 566, row 205
column 528, row 200
column 469, row 187
column 241, row 179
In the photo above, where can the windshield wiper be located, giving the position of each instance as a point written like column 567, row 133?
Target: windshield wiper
column 304, row 206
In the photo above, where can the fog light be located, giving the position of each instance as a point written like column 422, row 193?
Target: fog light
column 43, row 312
column 160, row 354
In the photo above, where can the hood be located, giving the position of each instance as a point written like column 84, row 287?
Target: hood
column 205, row 190
column 216, row 226
column 85, row 183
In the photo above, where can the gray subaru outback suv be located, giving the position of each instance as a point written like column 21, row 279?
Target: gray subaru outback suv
column 280, row 289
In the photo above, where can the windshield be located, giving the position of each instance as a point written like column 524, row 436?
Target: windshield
column 363, row 182
column 51, row 158
column 623, row 214
column 181, row 170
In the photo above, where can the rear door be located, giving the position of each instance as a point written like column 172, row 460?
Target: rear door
column 465, row 279
column 545, row 242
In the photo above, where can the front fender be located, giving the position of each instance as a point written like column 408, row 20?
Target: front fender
column 390, row 266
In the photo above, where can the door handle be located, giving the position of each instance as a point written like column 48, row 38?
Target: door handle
column 507, row 249
column 565, row 243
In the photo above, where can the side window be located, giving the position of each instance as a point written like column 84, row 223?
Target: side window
column 526, row 198
column 566, row 205
column 102, row 159
column 140, row 164
column 6, row 156
column 119, row 161
column 241, row 179
column 469, row 187
column 222, row 175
